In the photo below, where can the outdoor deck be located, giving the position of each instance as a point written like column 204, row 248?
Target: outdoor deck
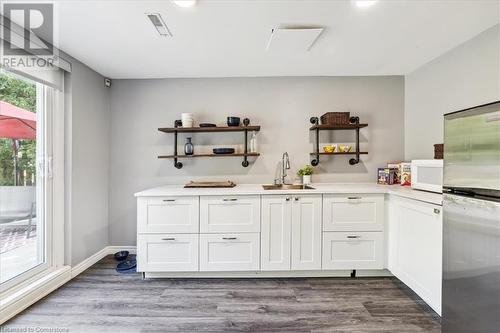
column 18, row 253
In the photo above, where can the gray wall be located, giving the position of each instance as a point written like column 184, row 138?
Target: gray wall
column 466, row 76
column 282, row 106
column 87, row 162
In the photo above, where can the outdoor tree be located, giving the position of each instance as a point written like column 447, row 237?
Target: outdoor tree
column 21, row 94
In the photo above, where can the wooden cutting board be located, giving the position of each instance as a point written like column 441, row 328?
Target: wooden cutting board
column 225, row 184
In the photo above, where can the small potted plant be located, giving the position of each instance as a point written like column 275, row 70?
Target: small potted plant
column 306, row 173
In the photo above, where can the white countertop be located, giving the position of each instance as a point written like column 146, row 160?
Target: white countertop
column 319, row 188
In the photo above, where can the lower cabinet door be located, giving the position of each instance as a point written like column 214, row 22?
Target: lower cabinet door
column 167, row 252
column 417, row 244
column 276, row 232
column 306, row 232
column 230, row 252
column 353, row 250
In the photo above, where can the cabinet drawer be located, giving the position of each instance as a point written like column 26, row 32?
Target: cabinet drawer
column 167, row 252
column 168, row 215
column 221, row 214
column 229, row 252
column 353, row 212
column 353, row 250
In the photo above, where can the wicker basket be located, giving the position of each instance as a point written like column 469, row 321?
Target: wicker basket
column 335, row 118
column 438, row 151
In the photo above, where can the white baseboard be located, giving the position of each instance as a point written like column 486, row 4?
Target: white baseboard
column 267, row 274
column 82, row 266
column 114, row 249
column 23, row 298
column 93, row 259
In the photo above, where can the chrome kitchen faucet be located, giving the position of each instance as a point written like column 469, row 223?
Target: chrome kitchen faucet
column 285, row 165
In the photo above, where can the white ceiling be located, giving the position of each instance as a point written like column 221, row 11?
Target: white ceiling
column 224, row 38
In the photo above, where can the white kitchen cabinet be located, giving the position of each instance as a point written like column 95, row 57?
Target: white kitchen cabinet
column 276, row 232
column 353, row 212
column 167, row 252
column 223, row 214
column 291, row 232
column 168, row 215
column 306, row 232
column 415, row 247
column 230, row 252
column 353, row 250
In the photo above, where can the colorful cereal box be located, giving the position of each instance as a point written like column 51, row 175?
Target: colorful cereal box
column 405, row 174
column 387, row 176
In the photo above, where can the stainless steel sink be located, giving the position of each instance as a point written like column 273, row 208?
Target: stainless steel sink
column 287, row 187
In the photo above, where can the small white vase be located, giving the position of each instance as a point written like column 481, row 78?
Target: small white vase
column 306, row 179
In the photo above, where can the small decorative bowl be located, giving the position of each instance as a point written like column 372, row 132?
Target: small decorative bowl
column 207, row 125
column 223, row 150
column 345, row 149
column 329, row 149
column 233, row 121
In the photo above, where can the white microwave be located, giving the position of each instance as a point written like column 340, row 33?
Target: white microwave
column 427, row 175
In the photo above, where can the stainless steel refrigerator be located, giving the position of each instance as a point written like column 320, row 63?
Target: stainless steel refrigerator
column 471, row 221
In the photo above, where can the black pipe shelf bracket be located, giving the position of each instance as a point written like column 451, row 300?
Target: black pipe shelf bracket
column 353, row 125
column 315, row 122
column 245, row 156
column 178, row 129
column 177, row 164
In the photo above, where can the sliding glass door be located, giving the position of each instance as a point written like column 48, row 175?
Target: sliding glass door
column 25, row 178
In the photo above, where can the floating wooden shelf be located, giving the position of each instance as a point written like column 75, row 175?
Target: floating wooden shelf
column 209, row 129
column 342, row 153
column 353, row 125
column 209, row 155
column 338, row 127
column 177, row 129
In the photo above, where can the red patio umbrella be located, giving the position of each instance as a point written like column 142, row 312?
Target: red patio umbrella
column 16, row 123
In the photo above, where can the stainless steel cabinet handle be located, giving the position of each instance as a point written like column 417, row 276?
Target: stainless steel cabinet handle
column 229, row 238
column 287, row 198
column 436, row 211
column 168, row 239
column 353, row 237
column 353, row 198
column 227, row 199
column 169, row 200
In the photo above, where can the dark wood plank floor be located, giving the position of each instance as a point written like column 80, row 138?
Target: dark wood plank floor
column 101, row 300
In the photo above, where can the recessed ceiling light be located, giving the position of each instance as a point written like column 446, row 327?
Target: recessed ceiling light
column 184, row 3
column 365, row 3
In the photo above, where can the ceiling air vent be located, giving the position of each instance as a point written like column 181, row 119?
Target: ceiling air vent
column 159, row 24
column 293, row 38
